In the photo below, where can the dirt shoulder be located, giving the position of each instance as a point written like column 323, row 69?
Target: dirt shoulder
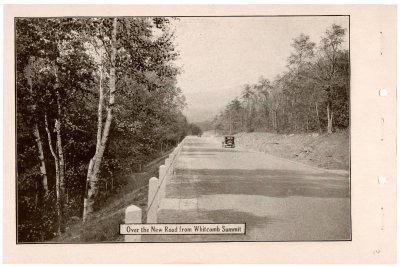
column 328, row 151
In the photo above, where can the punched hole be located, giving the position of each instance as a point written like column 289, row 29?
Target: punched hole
column 382, row 180
column 383, row 92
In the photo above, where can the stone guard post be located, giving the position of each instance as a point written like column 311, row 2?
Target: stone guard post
column 152, row 202
column 133, row 214
column 163, row 181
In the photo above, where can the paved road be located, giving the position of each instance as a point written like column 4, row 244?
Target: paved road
column 278, row 199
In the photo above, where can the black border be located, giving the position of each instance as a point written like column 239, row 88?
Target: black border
column 171, row 16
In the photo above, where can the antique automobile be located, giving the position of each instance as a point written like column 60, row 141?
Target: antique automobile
column 229, row 141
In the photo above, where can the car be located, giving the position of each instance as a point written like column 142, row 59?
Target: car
column 229, row 141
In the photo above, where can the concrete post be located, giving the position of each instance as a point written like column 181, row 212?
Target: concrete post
column 133, row 214
column 152, row 202
column 172, row 159
column 167, row 162
column 163, row 182
column 171, row 162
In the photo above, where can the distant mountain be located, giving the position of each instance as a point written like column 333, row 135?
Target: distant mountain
column 204, row 105
column 205, row 125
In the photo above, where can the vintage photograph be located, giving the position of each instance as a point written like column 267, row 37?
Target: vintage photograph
column 186, row 129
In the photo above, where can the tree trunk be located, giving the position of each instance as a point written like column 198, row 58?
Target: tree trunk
column 112, row 182
column 266, row 114
column 100, row 108
column 230, row 122
column 57, row 167
column 242, row 120
column 43, row 171
column 329, row 114
column 60, row 151
column 95, row 162
column 36, row 133
column 36, row 195
column 318, row 122
column 276, row 119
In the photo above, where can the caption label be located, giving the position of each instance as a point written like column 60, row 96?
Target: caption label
column 183, row 229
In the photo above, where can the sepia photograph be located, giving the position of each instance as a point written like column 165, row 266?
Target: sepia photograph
column 173, row 134
column 183, row 129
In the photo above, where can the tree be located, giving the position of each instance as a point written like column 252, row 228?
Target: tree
column 137, row 58
column 328, row 67
column 65, row 66
column 314, row 87
column 297, row 83
column 102, row 134
column 194, row 129
column 50, row 52
column 36, row 132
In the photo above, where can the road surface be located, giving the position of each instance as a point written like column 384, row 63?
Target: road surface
column 278, row 199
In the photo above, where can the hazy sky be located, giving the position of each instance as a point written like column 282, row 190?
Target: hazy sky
column 220, row 55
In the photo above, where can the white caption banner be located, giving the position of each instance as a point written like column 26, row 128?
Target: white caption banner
column 183, row 229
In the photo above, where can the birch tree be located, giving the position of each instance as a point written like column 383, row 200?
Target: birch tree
column 56, row 69
column 102, row 133
column 139, row 52
column 36, row 132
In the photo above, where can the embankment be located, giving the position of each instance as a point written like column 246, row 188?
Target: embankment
column 328, row 151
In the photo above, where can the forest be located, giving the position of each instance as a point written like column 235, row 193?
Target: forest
column 95, row 97
column 312, row 95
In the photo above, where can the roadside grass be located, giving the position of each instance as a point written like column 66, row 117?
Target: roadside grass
column 103, row 225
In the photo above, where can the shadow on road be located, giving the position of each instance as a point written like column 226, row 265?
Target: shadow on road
column 272, row 183
column 210, row 216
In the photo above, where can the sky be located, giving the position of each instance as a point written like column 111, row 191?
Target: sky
column 219, row 55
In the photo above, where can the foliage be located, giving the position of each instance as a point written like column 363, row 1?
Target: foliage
column 194, row 130
column 312, row 91
column 61, row 63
